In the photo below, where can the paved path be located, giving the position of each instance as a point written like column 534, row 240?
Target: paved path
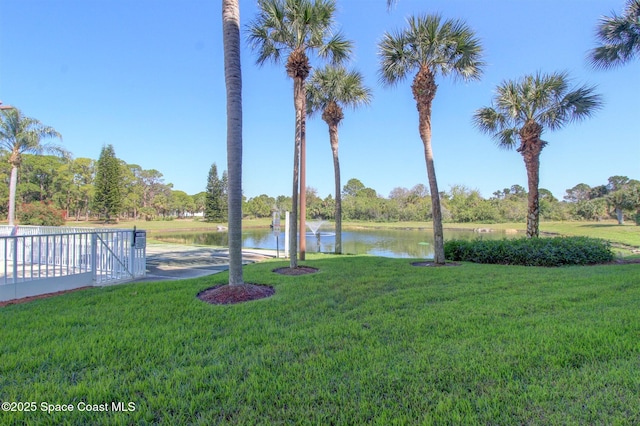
column 177, row 261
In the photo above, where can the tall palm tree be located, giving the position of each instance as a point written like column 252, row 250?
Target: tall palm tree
column 19, row 135
column 430, row 47
column 233, row 79
column 522, row 110
column 292, row 29
column 328, row 91
column 619, row 38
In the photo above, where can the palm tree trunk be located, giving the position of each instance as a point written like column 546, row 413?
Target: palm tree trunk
column 233, row 80
column 532, row 164
column 293, row 218
column 293, row 222
column 619, row 216
column 333, row 138
column 424, row 90
column 13, row 183
column 438, row 234
column 303, row 175
column 530, row 147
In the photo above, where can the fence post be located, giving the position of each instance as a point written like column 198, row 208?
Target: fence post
column 15, row 267
column 15, row 260
column 133, row 264
column 94, row 255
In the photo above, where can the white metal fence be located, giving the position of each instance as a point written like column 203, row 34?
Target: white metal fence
column 36, row 260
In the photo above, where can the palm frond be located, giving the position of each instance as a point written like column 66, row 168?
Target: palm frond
column 267, row 33
column 261, row 41
column 509, row 100
column 498, row 125
column 336, row 84
column 507, row 138
column 619, row 38
column 285, row 26
column 444, row 46
column 423, row 35
column 396, row 60
column 337, row 49
column 8, row 128
column 468, row 63
column 22, row 134
column 488, row 120
column 543, row 95
column 576, row 105
column 545, row 99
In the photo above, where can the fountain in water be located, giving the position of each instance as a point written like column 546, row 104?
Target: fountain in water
column 314, row 226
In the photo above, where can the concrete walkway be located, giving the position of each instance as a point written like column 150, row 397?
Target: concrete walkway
column 177, row 261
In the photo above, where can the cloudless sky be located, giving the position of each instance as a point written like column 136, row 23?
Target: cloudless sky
column 147, row 77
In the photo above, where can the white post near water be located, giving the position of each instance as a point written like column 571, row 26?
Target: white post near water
column 286, row 234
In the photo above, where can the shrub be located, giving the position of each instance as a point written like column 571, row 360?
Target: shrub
column 557, row 251
column 40, row 214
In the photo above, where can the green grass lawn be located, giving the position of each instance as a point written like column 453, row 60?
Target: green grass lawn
column 366, row 340
column 628, row 234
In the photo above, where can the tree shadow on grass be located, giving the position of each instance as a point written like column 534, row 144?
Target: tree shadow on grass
column 300, row 270
column 601, row 225
column 435, row 265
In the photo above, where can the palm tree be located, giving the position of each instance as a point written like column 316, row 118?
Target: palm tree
column 430, row 47
column 522, row 110
column 20, row 135
column 233, row 79
column 328, row 90
column 619, row 38
column 293, row 28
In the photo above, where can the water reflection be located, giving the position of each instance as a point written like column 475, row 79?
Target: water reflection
column 378, row 242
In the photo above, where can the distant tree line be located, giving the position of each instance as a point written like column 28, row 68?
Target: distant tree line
column 76, row 189
column 619, row 198
column 69, row 186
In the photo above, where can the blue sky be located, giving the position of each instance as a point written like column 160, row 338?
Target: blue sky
column 147, row 77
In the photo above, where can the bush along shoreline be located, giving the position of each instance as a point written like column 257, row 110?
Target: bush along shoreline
column 556, row 251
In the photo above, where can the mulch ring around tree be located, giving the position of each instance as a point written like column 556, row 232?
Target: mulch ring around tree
column 230, row 294
column 436, row 265
column 300, row 270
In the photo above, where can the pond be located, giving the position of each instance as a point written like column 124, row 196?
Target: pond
column 399, row 243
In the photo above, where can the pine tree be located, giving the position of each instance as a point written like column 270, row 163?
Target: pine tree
column 215, row 209
column 225, row 195
column 108, row 199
